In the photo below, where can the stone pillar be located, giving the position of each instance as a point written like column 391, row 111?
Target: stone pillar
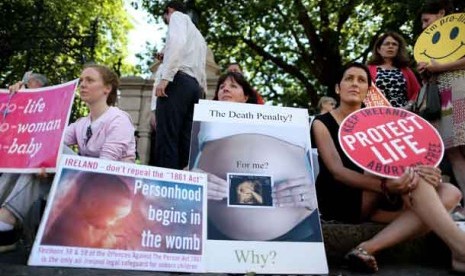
column 213, row 73
column 135, row 97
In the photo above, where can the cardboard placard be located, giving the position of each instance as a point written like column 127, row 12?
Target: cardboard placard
column 443, row 40
column 386, row 140
column 114, row 215
column 32, row 124
column 262, row 209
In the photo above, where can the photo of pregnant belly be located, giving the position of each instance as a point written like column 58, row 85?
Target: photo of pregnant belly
column 246, row 167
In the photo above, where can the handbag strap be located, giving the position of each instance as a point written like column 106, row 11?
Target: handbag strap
column 421, row 96
column 433, row 78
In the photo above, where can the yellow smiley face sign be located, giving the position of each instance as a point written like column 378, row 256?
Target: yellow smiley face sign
column 443, row 41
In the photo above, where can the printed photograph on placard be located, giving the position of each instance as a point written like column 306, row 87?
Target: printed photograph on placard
column 250, row 190
column 98, row 210
column 257, row 153
column 116, row 215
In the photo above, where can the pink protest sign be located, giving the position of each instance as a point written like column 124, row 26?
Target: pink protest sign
column 375, row 98
column 386, row 140
column 32, row 123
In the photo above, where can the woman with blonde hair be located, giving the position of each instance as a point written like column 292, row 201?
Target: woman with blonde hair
column 326, row 104
column 106, row 133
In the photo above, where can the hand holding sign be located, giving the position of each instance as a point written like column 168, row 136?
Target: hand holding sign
column 217, row 187
column 430, row 174
column 294, row 193
column 403, row 184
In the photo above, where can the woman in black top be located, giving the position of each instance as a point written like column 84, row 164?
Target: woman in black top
column 346, row 194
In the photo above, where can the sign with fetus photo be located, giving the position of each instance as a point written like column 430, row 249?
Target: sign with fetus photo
column 114, row 215
column 262, row 208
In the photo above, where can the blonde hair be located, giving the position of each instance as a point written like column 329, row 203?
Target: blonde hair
column 323, row 100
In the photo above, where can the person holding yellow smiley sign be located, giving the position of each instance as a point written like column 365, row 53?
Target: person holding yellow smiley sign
column 440, row 50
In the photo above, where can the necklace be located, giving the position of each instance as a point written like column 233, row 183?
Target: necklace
column 339, row 115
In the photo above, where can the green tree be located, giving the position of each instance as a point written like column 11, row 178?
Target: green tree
column 56, row 37
column 292, row 49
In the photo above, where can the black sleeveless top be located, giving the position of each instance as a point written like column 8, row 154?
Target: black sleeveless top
column 336, row 201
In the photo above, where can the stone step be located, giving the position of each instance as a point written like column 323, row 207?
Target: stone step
column 426, row 256
column 341, row 238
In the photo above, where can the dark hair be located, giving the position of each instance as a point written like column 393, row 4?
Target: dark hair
column 176, row 5
column 401, row 60
column 356, row 65
column 234, row 63
column 240, row 79
column 435, row 6
column 109, row 78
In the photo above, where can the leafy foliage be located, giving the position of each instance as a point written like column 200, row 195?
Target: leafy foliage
column 56, row 37
column 292, row 49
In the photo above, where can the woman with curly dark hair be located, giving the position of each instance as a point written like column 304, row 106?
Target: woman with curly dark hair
column 390, row 72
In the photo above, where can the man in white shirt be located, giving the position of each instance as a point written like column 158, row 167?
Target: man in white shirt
column 182, row 82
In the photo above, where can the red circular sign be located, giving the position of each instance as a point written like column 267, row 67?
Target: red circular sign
column 386, row 140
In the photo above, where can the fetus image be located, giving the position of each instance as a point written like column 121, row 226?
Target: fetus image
column 96, row 203
column 249, row 192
